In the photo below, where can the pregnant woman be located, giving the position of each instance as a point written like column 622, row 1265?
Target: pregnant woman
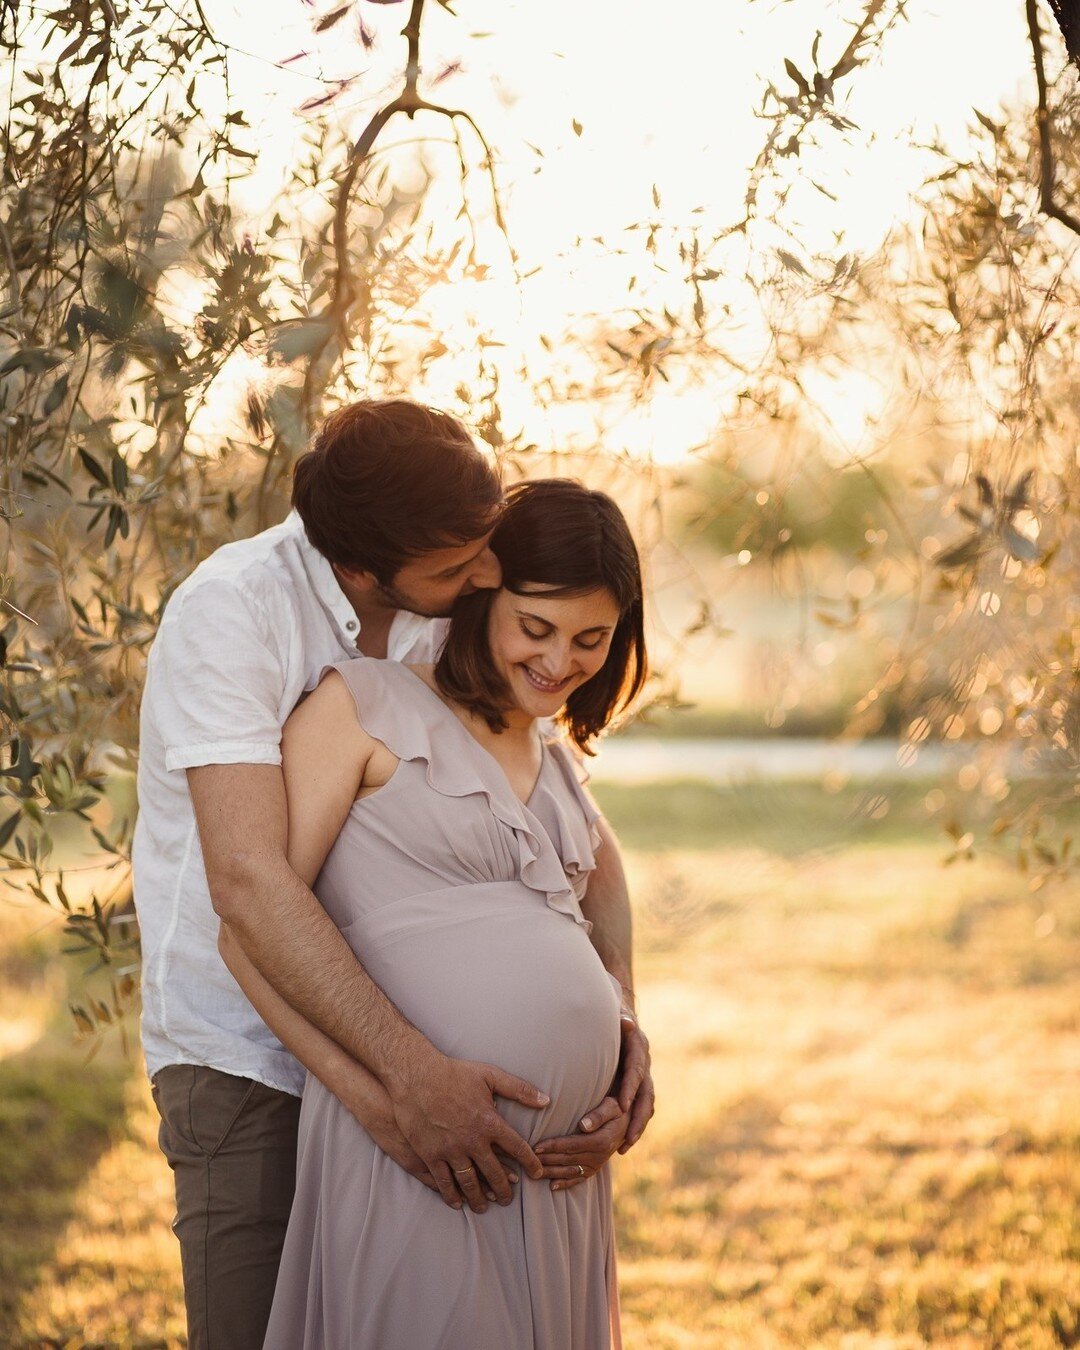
column 450, row 840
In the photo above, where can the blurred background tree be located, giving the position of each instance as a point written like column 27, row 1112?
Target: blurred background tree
column 946, row 541
column 895, row 456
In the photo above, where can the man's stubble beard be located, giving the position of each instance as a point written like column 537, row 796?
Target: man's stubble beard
column 395, row 599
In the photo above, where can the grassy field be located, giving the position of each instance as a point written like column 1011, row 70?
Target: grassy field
column 869, row 1125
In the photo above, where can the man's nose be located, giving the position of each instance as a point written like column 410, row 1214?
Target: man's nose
column 486, row 574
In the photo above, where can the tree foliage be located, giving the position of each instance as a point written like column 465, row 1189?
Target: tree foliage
column 967, row 317
column 163, row 358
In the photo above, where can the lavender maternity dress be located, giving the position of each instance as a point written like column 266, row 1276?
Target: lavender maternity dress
column 463, row 905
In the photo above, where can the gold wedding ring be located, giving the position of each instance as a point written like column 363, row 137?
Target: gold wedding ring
column 460, row 1171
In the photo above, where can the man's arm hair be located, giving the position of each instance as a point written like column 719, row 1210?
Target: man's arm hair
column 262, row 889
column 286, row 933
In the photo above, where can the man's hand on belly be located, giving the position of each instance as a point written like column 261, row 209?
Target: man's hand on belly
column 571, row 1159
column 446, row 1111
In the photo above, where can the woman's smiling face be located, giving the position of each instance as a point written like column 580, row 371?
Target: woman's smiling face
column 545, row 646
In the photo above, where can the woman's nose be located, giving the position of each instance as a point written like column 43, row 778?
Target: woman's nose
column 556, row 662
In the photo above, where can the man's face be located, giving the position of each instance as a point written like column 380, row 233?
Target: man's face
column 430, row 583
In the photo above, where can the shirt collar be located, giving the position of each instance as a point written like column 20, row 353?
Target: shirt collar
column 324, row 583
column 407, row 628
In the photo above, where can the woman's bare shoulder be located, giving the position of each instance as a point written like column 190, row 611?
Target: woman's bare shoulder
column 331, row 693
column 329, row 709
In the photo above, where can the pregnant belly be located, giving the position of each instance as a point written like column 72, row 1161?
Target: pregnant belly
column 489, row 972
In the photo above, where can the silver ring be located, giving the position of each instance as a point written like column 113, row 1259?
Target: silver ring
column 580, row 1169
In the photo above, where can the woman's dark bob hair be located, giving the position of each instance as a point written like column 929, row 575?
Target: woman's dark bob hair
column 559, row 538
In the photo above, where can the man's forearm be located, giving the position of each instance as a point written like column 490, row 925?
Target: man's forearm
column 607, row 907
column 355, row 1086
column 259, row 866
column 295, row 946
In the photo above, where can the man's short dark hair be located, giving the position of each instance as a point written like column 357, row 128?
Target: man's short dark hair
column 388, row 480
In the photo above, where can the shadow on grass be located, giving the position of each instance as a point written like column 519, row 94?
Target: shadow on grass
column 58, row 1117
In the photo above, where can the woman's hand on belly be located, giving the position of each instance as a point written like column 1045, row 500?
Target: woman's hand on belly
column 571, row 1159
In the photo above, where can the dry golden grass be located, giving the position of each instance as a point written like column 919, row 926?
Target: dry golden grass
column 870, row 1122
column 867, row 1138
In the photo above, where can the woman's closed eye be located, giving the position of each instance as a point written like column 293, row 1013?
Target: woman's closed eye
column 588, row 646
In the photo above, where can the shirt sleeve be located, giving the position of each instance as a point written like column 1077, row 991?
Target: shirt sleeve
column 219, row 674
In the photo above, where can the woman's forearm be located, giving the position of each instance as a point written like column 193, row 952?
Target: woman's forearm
column 607, row 907
column 355, row 1086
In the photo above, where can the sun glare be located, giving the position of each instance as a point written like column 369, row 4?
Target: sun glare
column 579, row 157
column 849, row 409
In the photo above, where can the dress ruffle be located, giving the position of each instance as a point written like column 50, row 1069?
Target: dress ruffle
column 396, row 707
column 578, row 825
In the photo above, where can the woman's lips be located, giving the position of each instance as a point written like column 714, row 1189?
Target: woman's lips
column 545, row 686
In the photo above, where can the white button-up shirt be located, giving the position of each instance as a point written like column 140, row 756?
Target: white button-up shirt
column 240, row 642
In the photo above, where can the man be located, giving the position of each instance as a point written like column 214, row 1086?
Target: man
column 394, row 506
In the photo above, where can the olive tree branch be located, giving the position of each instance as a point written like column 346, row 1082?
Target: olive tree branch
column 812, row 106
column 407, row 102
column 1047, row 174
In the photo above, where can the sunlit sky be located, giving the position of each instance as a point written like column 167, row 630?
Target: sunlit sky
column 665, row 97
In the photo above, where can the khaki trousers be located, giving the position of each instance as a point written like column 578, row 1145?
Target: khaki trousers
column 231, row 1144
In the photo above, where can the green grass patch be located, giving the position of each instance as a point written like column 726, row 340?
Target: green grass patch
column 790, row 817
column 787, row 817
column 703, row 720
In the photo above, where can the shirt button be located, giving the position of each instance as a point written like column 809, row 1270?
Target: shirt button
column 351, row 625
